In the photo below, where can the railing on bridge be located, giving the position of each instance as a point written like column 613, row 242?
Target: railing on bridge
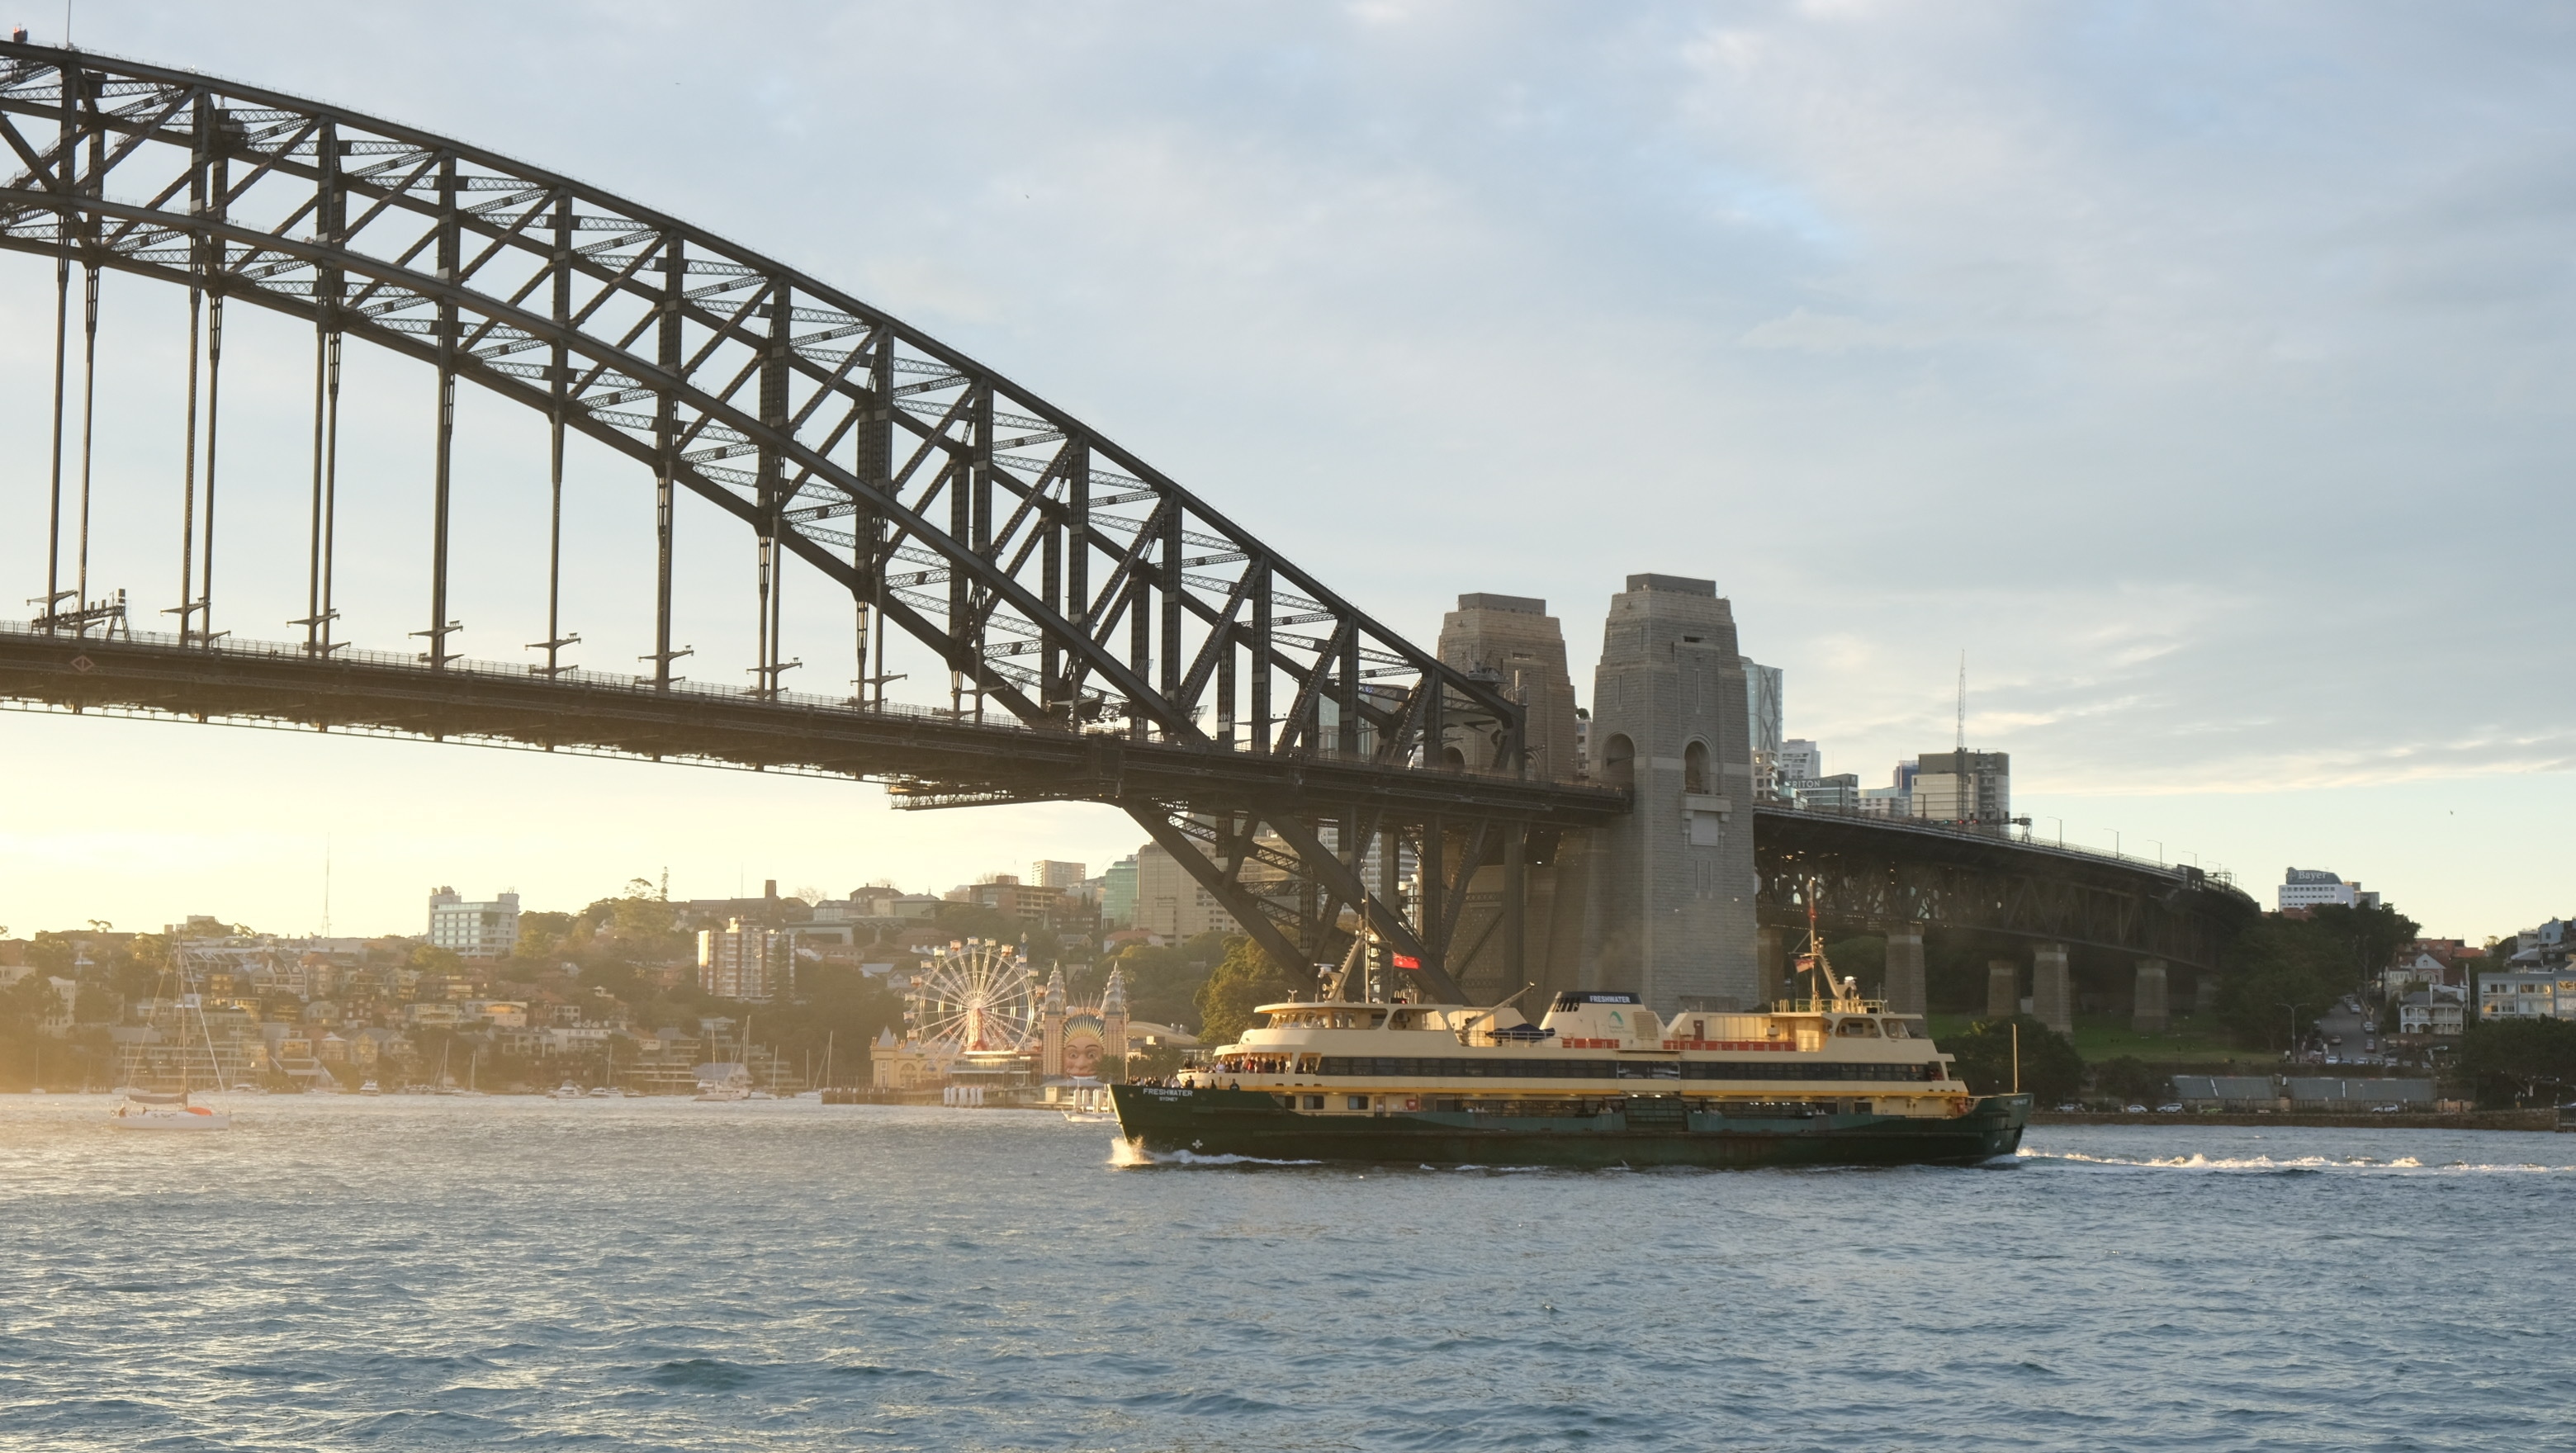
column 2025, row 838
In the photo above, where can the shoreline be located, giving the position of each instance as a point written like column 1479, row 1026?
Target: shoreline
column 2523, row 1120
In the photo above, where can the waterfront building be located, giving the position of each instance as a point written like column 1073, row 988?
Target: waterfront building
column 742, row 961
column 1763, row 717
column 1840, row 792
column 2527, row 994
column 1118, row 894
column 1032, row 906
column 1171, row 902
column 2412, row 969
column 2316, row 887
column 473, row 930
column 2432, row 1012
column 1048, row 873
column 1968, row 789
column 2548, row 944
column 1800, row 761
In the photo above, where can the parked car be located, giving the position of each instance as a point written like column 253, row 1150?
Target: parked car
column 2172, row 1109
column 2137, row 1110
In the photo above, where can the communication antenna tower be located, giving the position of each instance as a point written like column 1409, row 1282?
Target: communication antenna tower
column 1962, row 743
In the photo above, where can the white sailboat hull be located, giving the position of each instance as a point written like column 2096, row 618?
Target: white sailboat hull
column 168, row 1117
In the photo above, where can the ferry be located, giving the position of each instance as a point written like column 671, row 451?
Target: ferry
column 1600, row 1081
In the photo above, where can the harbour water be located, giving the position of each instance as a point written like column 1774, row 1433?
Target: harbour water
column 521, row 1273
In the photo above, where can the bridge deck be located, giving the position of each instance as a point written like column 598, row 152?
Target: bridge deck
column 929, row 758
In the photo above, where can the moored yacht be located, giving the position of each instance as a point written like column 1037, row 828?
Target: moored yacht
column 1601, row 1080
column 144, row 1110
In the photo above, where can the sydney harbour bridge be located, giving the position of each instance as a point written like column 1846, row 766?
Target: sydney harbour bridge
column 1082, row 626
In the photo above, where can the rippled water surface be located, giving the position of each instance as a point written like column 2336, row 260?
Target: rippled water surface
column 422, row 1273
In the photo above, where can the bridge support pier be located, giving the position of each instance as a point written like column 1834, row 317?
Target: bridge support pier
column 2147, row 1006
column 1768, row 986
column 2052, row 994
column 2003, row 989
column 1904, row 988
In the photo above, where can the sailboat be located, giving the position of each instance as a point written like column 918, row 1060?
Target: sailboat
column 611, row 1090
column 146, row 1110
column 817, row 1092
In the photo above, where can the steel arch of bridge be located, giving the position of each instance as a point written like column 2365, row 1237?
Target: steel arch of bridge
column 1066, row 584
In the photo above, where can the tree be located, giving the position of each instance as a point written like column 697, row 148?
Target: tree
column 2051, row 1071
column 2368, row 938
column 2130, row 1078
column 1163, row 983
column 974, row 920
column 542, row 934
column 2515, row 1060
column 2278, row 962
column 1863, row 958
column 1245, row 977
column 639, row 912
column 1155, row 1062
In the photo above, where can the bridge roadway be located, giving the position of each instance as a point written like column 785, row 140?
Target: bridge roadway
column 1882, row 875
column 928, row 757
column 1868, row 874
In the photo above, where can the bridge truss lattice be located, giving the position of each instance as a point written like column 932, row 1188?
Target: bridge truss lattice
column 1142, row 648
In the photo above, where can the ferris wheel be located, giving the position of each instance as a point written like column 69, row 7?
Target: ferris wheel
column 974, row 997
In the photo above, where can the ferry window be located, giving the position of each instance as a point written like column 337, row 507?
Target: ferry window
column 1856, row 1029
column 1314, row 1102
column 1355, row 1102
column 1899, row 1029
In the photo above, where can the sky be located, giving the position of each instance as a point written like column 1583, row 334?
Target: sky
column 2201, row 371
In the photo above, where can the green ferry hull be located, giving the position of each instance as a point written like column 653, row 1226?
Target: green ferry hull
column 1253, row 1124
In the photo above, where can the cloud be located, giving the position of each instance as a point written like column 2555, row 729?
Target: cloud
column 2198, row 368
column 1805, row 332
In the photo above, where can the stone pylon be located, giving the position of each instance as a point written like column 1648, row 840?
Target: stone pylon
column 2052, row 992
column 1513, row 639
column 2148, row 1012
column 2003, row 989
column 1673, row 885
column 1770, row 967
column 1905, row 991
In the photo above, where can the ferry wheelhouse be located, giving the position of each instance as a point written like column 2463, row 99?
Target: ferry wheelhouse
column 1600, row 1080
